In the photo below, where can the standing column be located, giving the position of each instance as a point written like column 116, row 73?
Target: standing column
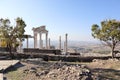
column 27, row 42
column 64, row 47
column 41, row 44
column 40, row 41
column 46, row 40
column 49, row 43
column 60, row 42
column 35, row 40
column 66, row 44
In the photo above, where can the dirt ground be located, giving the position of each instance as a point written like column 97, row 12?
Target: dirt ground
column 102, row 69
column 106, row 69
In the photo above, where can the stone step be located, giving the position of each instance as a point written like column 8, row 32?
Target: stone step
column 4, row 64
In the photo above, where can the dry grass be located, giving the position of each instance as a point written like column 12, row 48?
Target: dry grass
column 106, row 70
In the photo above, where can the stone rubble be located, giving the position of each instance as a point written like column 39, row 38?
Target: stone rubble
column 59, row 71
column 42, row 70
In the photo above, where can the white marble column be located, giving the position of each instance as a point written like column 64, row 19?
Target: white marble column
column 41, row 44
column 64, row 47
column 35, row 40
column 46, row 40
column 66, row 43
column 40, row 41
column 60, row 42
column 27, row 43
column 49, row 43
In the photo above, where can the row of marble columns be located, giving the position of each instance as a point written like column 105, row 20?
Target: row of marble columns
column 65, row 43
column 40, row 41
column 48, row 42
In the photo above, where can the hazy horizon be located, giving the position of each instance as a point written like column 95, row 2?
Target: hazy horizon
column 56, row 43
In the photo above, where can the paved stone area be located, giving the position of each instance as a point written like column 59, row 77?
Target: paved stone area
column 4, row 64
column 1, row 76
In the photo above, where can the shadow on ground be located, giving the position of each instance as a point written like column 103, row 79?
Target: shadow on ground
column 13, row 68
column 106, row 74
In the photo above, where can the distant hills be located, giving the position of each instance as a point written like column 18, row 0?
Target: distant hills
column 70, row 43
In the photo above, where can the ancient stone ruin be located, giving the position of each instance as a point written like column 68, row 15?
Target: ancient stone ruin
column 40, row 30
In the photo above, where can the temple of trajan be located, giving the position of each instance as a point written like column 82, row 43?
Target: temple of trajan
column 42, row 30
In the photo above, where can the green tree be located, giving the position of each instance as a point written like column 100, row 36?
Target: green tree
column 108, row 32
column 12, row 34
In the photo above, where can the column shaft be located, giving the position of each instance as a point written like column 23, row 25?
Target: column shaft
column 35, row 40
column 46, row 40
column 66, row 44
column 60, row 42
column 49, row 43
column 40, row 42
column 27, row 43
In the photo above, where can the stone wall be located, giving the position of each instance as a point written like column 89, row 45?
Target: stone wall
column 68, row 58
column 48, row 57
column 5, row 49
column 36, row 50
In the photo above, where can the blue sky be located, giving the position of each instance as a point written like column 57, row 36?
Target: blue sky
column 74, row 17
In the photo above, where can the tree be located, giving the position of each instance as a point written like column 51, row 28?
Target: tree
column 108, row 32
column 12, row 34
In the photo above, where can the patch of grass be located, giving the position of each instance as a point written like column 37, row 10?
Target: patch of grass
column 15, row 75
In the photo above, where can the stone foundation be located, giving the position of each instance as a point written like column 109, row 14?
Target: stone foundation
column 36, row 50
column 5, row 49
